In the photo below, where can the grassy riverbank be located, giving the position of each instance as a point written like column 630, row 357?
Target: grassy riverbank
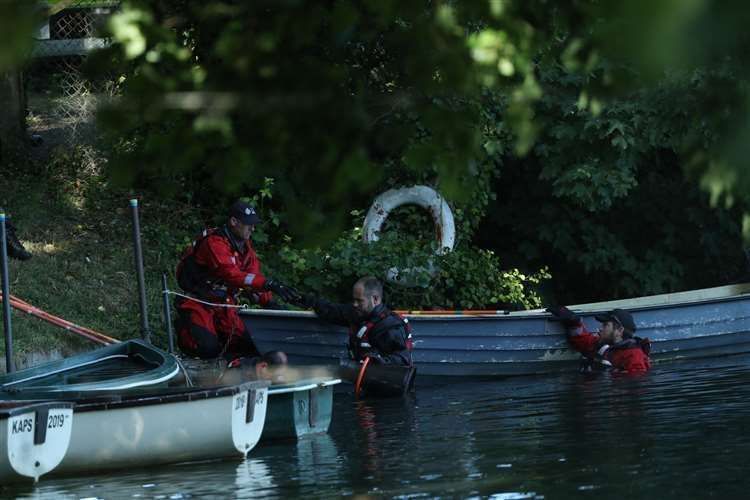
column 79, row 230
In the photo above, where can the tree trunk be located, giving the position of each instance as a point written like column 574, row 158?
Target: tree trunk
column 12, row 112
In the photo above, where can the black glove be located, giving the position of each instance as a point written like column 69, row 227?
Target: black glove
column 287, row 293
column 307, row 300
column 564, row 315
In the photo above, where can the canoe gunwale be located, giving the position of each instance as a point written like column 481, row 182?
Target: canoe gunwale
column 12, row 408
column 286, row 388
column 85, row 402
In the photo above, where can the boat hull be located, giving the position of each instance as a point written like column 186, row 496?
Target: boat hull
column 683, row 325
column 299, row 409
column 174, row 426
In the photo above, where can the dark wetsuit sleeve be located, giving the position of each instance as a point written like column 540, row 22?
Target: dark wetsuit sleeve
column 339, row 314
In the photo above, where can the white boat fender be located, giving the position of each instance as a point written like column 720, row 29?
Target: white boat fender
column 425, row 197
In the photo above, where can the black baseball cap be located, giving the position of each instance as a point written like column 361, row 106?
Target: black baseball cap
column 619, row 316
column 244, row 212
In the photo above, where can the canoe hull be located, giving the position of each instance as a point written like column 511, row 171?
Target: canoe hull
column 136, row 433
column 685, row 325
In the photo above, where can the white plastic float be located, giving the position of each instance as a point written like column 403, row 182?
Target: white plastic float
column 425, row 197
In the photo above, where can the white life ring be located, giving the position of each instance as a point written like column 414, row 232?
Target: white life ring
column 423, row 196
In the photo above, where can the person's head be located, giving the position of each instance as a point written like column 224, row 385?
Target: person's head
column 366, row 294
column 242, row 220
column 616, row 325
column 270, row 365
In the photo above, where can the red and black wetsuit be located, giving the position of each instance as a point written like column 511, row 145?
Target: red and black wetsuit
column 215, row 268
column 383, row 334
column 628, row 356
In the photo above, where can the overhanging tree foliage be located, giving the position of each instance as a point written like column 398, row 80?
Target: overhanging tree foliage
column 323, row 96
column 581, row 117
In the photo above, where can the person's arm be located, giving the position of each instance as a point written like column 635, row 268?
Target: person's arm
column 259, row 281
column 582, row 340
column 217, row 255
column 578, row 336
column 339, row 314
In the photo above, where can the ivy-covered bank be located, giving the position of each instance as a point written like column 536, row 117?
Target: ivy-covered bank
column 78, row 228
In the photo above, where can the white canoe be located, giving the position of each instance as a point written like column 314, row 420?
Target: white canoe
column 34, row 438
column 165, row 426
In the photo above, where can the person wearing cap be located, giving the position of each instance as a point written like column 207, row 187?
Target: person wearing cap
column 219, row 265
column 615, row 346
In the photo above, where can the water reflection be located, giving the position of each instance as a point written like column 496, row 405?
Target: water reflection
column 253, row 479
column 318, row 460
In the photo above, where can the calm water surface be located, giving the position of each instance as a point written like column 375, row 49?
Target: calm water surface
column 679, row 432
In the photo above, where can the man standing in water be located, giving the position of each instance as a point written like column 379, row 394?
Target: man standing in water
column 615, row 346
column 375, row 332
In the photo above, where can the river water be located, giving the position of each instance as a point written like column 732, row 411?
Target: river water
column 681, row 431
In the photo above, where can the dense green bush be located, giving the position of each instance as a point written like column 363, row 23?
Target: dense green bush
column 465, row 278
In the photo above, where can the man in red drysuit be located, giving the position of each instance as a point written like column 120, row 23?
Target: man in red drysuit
column 219, row 265
column 615, row 346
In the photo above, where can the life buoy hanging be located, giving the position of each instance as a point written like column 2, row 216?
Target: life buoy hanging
column 425, row 197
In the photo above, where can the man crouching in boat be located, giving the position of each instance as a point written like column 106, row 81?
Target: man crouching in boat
column 220, row 264
column 615, row 347
column 377, row 335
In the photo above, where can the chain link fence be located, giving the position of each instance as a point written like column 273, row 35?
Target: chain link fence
column 60, row 100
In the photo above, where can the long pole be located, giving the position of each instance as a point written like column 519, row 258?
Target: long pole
column 167, row 311
column 88, row 333
column 145, row 330
column 9, row 364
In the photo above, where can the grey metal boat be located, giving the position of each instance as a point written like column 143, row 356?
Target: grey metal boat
column 684, row 325
column 34, row 438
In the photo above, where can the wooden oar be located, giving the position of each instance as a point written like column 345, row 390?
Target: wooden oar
column 87, row 333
